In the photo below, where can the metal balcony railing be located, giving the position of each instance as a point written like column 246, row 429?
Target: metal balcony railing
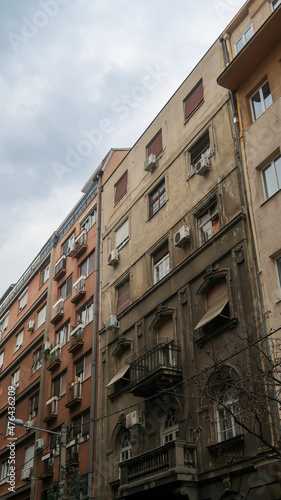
column 60, row 266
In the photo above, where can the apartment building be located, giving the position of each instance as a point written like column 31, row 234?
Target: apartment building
column 180, row 298
column 253, row 75
column 46, row 352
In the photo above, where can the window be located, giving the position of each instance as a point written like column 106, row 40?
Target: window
column 225, row 412
column 67, row 246
column 275, row 4
column 208, row 223
column 261, row 100
column 62, row 335
column 121, row 187
column 19, row 341
column 271, row 176
column 193, row 100
column 4, row 323
column 244, row 38
column 155, row 146
column 54, row 445
column 4, row 470
column 23, row 300
column 161, row 263
column 15, row 378
column 125, row 446
column 121, row 378
column 90, row 220
column 278, row 265
column 171, row 426
column 41, row 317
column 122, row 235
column 123, row 297
column 88, row 266
column 85, row 314
column 29, row 455
column 200, row 148
column 1, row 360
column 37, row 360
column 157, row 199
column 216, row 307
column 66, row 289
column 83, row 367
column 45, row 274
column 33, row 406
column 81, row 426
column 59, row 385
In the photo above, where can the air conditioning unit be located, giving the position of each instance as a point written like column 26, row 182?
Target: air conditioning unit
column 113, row 258
column 39, row 444
column 29, row 423
column 181, row 236
column 111, row 323
column 202, row 166
column 26, row 474
column 134, row 418
column 30, row 326
column 150, row 163
column 71, row 249
column 46, row 347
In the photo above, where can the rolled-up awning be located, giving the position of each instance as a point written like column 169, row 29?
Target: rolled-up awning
column 118, row 375
column 216, row 300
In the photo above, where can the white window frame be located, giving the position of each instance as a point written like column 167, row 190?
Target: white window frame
column 41, row 316
column 29, row 457
column 4, row 323
column 278, row 270
column 226, row 427
column 170, row 429
column 66, row 247
column 243, row 38
column 162, row 264
column 15, row 378
column 1, row 359
column 19, row 340
column 262, row 100
column 45, row 273
column 84, row 315
column 272, row 165
column 212, row 215
column 87, row 261
column 125, row 452
column 90, row 220
column 86, row 365
column 122, row 235
column 62, row 335
column 4, row 470
column 64, row 286
column 37, row 360
column 62, row 384
column 33, row 408
column 275, row 4
column 23, row 299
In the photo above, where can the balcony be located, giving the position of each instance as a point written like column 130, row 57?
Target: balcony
column 174, row 461
column 72, row 455
column 57, row 311
column 79, row 290
column 74, row 393
column 60, row 268
column 52, row 409
column 54, row 358
column 158, row 363
column 48, row 471
column 80, row 244
column 77, row 338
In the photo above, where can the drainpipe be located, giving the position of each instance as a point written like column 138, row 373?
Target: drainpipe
column 93, row 427
column 33, row 489
column 252, row 223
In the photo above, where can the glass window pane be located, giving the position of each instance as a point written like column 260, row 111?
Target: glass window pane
column 266, row 95
column 91, row 266
column 257, row 105
column 269, row 181
column 277, row 163
column 239, row 45
column 249, row 33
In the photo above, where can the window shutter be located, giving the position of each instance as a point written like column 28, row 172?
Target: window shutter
column 159, row 254
column 123, row 300
column 199, row 147
column 63, row 384
column 166, row 331
column 91, row 265
column 193, row 99
column 216, row 300
column 155, row 146
column 69, row 286
column 121, row 187
column 87, row 369
column 122, row 233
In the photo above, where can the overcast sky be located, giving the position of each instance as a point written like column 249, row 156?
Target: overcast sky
column 74, row 67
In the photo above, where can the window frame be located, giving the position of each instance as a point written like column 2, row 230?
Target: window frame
column 154, row 142
column 188, row 98
column 90, row 220
column 5, row 467
column 86, row 307
column 122, row 180
column 45, row 274
column 23, row 299
column 243, row 38
column 4, row 323
column 276, row 4
column 37, row 360
column 271, row 165
column 170, row 431
column 40, row 312
column 62, row 378
column 125, row 239
column 15, row 378
column 2, row 359
column 86, row 369
column 67, row 287
column 29, row 456
column 278, row 270
column 66, row 246
column 156, row 266
column 18, row 337
column 155, row 196
column 87, row 261
column 125, row 305
column 212, row 219
column 33, row 406
column 63, row 338
column 262, row 100
column 125, row 448
column 226, row 407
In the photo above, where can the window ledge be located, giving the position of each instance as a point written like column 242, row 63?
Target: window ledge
column 270, row 197
column 228, row 443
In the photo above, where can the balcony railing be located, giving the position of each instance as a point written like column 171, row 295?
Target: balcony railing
column 77, row 338
column 74, row 393
column 72, row 456
column 176, row 458
column 58, row 310
column 80, row 244
column 159, row 361
column 52, row 409
column 79, row 289
column 60, row 267
column 54, row 357
column 48, row 471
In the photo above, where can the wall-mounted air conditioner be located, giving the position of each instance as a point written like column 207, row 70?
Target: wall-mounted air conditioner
column 26, row 474
column 39, row 444
column 150, row 163
column 111, row 323
column 202, row 166
column 113, row 258
column 134, row 418
column 30, row 326
column 181, row 236
column 46, row 347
